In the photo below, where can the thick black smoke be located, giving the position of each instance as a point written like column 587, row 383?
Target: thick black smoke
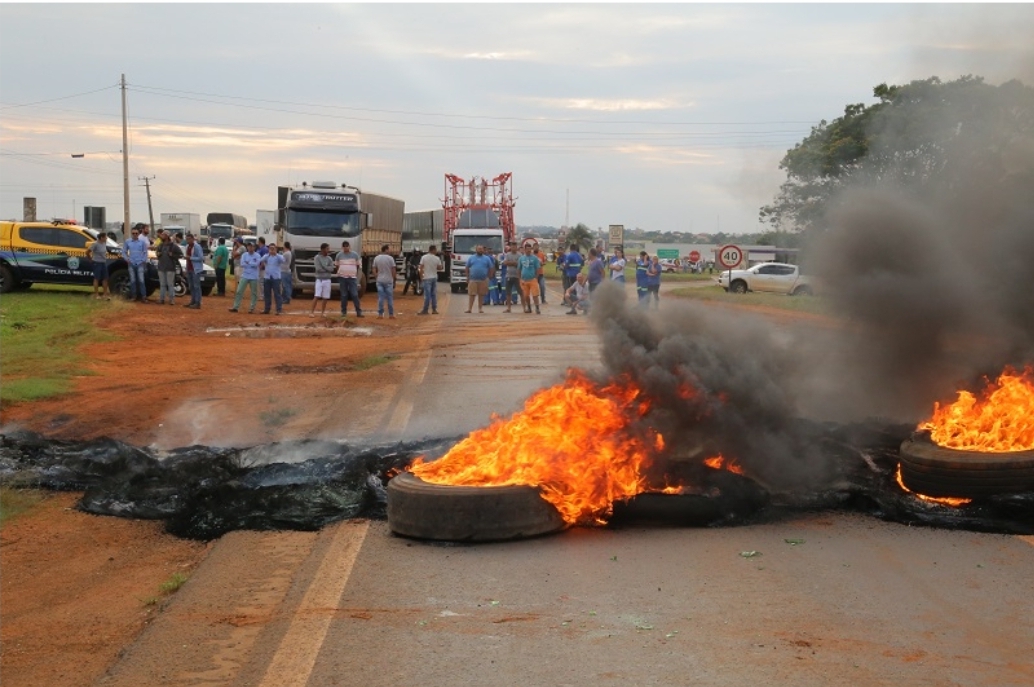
column 930, row 277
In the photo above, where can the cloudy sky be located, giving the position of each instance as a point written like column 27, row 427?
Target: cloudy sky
column 664, row 116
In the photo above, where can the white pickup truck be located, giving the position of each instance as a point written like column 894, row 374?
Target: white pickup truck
column 768, row 277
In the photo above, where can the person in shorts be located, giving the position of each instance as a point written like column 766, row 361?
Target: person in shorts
column 528, row 267
column 480, row 268
column 324, row 267
column 98, row 251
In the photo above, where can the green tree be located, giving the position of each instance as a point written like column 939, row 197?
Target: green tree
column 926, row 133
column 581, row 235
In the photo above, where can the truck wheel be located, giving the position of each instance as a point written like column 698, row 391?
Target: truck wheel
column 118, row 283
column 802, row 291
column 933, row 470
column 6, row 279
column 447, row 513
column 738, row 287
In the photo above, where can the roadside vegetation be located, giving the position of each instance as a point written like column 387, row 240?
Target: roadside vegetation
column 167, row 588
column 807, row 304
column 41, row 334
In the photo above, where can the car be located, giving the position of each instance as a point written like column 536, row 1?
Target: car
column 769, row 277
column 669, row 266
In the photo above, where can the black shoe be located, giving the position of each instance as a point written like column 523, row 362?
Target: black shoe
column 434, row 312
column 360, row 315
column 265, row 312
column 233, row 309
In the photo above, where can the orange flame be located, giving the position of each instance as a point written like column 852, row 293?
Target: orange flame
column 720, row 463
column 1002, row 420
column 575, row 441
column 942, row 500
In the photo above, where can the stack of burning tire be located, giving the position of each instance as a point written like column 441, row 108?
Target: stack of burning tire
column 976, row 447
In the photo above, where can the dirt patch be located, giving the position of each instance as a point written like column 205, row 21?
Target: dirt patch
column 76, row 588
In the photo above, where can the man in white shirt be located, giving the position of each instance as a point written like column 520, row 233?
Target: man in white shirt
column 348, row 265
column 430, row 263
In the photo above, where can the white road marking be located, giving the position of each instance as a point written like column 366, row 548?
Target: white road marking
column 404, row 408
column 295, row 658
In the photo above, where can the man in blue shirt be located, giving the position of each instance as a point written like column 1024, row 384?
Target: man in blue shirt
column 250, row 262
column 480, row 268
column 642, row 289
column 595, row 270
column 528, row 266
column 573, row 264
column 135, row 253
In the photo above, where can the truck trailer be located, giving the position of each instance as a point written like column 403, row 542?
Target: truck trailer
column 328, row 212
column 185, row 222
column 476, row 212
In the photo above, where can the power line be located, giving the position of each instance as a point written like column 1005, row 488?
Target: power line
column 64, row 97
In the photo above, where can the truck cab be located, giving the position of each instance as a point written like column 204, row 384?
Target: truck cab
column 477, row 227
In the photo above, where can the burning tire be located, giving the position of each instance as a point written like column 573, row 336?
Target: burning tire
column 423, row 510
column 933, row 470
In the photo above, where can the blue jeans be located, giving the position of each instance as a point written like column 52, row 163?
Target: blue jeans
column 194, row 281
column 349, row 292
column 137, row 285
column 542, row 288
column 271, row 291
column 385, row 294
column 285, row 287
column 431, row 294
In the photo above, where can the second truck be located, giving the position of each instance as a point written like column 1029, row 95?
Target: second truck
column 328, row 212
column 478, row 212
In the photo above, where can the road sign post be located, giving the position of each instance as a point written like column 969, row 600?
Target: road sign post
column 730, row 256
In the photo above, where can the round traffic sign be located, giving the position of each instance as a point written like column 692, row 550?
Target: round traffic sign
column 730, row 256
column 694, row 256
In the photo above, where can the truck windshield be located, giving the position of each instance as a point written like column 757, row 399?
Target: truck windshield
column 466, row 244
column 220, row 231
column 322, row 223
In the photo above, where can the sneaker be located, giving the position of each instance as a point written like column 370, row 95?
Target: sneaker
column 422, row 312
column 360, row 315
column 312, row 314
column 233, row 309
column 434, row 312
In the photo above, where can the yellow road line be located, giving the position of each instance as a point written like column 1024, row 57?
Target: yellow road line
column 294, row 659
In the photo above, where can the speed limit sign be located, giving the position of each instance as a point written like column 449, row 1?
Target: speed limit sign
column 730, row 256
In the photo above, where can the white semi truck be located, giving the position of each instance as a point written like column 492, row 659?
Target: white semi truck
column 185, row 222
column 328, row 212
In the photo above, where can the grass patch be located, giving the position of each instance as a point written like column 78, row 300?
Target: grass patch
column 41, row 332
column 277, row 416
column 167, row 588
column 373, row 361
column 15, row 502
column 809, row 304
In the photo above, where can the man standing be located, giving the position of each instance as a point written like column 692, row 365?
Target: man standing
column 348, row 266
column 541, row 278
column 384, row 273
column 195, row 268
column 653, row 282
column 324, row 272
column 272, row 262
column 98, row 252
column 249, row 278
column 430, row 263
column 480, row 269
column 513, row 275
column 169, row 254
column 135, row 253
column 286, row 278
column 642, row 267
column 617, row 266
column 220, row 261
column 528, row 266
column 413, row 273
column 573, row 263
column 595, row 270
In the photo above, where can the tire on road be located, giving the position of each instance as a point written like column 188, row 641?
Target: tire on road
column 933, row 470
column 423, row 510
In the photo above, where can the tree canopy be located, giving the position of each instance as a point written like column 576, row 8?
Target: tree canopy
column 581, row 235
column 926, row 133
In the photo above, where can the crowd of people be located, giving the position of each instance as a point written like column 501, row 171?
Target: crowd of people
column 517, row 274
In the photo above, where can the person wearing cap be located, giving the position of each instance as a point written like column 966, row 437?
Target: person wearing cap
column 195, row 268
column 135, row 252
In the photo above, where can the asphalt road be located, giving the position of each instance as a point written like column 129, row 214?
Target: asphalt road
column 851, row 601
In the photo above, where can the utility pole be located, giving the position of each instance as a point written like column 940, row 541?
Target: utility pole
column 567, row 210
column 125, row 164
column 150, row 211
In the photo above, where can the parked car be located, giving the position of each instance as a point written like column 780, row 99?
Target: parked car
column 669, row 266
column 767, row 277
